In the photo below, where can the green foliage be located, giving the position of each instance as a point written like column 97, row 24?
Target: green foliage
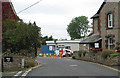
column 20, row 36
column 84, row 52
column 46, row 38
column 29, row 63
column 79, row 53
column 23, row 52
column 107, row 53
column 117, row 48
column 73, row 57
column 78, row 27
column 114, row 54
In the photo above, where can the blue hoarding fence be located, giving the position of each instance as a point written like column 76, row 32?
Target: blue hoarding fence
column 48, row 49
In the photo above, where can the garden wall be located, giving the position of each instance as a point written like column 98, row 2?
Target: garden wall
column 16, row 65
column 97, row 58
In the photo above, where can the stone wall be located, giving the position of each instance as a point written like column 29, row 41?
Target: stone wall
column 96, row 57
column 119, row 21
column 16, row 64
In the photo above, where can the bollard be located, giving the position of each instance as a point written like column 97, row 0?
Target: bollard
column 2, row 66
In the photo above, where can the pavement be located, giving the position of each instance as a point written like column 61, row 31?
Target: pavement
column 68, row 68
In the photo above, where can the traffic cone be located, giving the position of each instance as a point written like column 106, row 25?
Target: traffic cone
column 59, row 55
column 54, row 55
column 50, row 55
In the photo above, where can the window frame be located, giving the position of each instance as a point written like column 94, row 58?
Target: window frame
column 110, row 20
column 110, row 43
column 97, row 44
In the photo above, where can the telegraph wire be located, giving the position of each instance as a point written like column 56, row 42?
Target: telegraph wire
column 29, row 6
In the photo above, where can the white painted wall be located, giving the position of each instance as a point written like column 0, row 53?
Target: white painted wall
column 74, row 46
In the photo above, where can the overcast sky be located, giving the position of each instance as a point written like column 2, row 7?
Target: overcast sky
column 53, row 16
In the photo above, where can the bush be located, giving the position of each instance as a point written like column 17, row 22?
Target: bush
column 114, row 55
column 107, row 53
column 84, row 52
column 7, row 53
column 78, row 52
column 117, row 48
column 29, row 63
column 73, row 57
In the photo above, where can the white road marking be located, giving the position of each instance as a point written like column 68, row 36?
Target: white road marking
column 26, row 72
column 73, row 65
column 18, row 73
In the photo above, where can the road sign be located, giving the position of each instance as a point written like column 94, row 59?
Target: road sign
column 8, row 59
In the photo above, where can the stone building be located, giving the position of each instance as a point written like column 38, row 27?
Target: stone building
column 106, row 25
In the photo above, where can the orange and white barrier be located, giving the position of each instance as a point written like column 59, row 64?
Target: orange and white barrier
column 44, row 55
column 40, row 54
column 50, row 55
column 47, row 54
column 54, row 55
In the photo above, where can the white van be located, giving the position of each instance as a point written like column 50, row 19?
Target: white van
column 64, row 50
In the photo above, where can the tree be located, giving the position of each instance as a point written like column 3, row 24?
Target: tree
column 46, row 38
column 21, row 36
column 78, row 27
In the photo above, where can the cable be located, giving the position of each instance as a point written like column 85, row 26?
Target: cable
column 29, row 7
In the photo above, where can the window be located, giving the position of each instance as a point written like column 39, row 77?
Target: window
column 67, row 47
column 96, row 45
column 110, row 21
column 110, row 43
column 50, row 48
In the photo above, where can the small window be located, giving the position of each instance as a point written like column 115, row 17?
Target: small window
column 96, row 45
column 110, row 21
column 50, row 48
column 110, row 43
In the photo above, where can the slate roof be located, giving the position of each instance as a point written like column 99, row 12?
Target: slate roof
column 95, row 16
column 91, row 39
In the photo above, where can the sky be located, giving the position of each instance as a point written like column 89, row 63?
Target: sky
column 53, row 16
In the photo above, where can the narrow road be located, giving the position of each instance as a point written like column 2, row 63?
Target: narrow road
column 68, row 67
